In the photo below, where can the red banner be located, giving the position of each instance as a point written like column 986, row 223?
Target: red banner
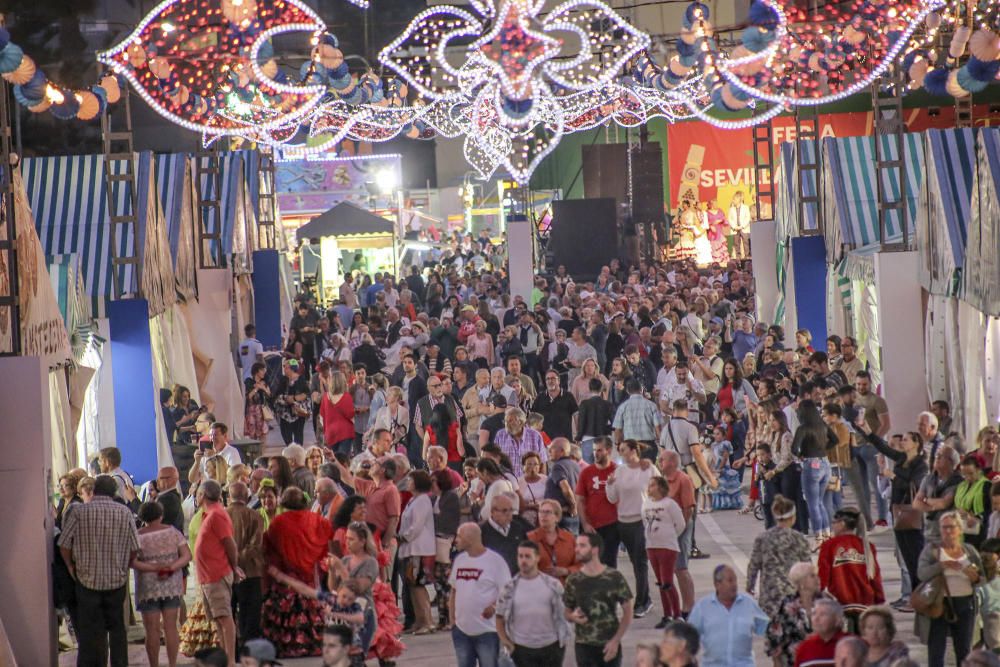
column 707, row 163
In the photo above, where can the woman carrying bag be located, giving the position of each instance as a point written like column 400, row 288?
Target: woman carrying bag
column 945, row 600
column 906, row 476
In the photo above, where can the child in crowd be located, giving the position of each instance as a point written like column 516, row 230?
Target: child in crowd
column 727, row 496
column 769, row 487
column 535, row 421
column 345, row 605
column 988, row 592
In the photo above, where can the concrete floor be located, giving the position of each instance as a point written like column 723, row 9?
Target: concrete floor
column 727, row 536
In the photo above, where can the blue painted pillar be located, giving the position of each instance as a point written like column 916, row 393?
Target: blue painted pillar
column 267, row 297
column 135, row 398
column 809, row 269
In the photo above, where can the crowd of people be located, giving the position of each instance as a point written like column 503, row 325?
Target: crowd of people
column 477, row 464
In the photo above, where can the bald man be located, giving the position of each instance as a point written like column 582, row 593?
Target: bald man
column 168, row 494
column 477, row 576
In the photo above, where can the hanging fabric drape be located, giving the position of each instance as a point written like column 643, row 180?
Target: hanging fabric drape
column 981, row 277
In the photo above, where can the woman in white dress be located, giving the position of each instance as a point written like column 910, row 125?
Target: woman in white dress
column 702, row 245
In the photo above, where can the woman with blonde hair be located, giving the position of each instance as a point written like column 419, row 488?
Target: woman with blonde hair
column 393, row 417
column 791, row 619
column 337, row 410
column 314, row 459
column 580, row 387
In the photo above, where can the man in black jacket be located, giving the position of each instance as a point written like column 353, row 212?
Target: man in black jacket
column 502, row 532
column 593, row 419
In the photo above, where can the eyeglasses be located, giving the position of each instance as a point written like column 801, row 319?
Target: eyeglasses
column 507, row 511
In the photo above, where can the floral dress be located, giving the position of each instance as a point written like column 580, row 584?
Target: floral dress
column 717, row 230
column 790, row 624
column 774, row 552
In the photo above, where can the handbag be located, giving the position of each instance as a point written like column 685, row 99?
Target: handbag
column 907, row 517
column 266, row 412
column 930, row 597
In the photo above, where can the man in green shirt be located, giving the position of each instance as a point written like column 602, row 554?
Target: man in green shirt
column 592, row 598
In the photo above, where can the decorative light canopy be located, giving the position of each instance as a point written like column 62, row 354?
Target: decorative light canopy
column 501, row 74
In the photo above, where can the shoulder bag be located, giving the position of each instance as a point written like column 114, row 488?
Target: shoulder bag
column 905, row 516
column 930, row 598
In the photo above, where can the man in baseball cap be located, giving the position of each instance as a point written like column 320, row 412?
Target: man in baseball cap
column 258, row 653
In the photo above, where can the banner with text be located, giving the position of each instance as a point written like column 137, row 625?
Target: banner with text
column 706, row 162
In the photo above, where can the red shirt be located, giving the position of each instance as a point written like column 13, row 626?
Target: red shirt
column 681, row 490
column 382, row 502
column 814, row 652
column 592, row 487
column 210, row 558
column 338, row 420
column 453, row 454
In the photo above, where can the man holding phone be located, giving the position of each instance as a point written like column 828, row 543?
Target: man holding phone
column 219, row 446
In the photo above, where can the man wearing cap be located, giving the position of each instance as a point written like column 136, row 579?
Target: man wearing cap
column 258, row 653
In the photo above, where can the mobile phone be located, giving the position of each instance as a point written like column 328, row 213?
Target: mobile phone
column 204, row 446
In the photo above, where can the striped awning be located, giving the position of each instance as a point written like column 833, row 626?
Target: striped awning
column 850, row 162
column 787, row 207
column 170, row 185
column 981, row 275
column 240, row 176
column 946, row 203
column 68, row 197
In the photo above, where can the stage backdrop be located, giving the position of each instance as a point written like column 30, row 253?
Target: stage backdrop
column 709, row 163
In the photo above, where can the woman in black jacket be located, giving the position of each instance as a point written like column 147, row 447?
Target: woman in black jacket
column 907, row 475
column 812, row 440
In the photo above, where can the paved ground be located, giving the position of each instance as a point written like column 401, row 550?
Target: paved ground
column 727, row 536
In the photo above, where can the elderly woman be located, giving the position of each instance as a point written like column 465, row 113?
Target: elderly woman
column 556, row 556
column 959, row 567
column 774, row 552
column 791, row 620
column 296, row 542
column 878, row 629
column 393, row 417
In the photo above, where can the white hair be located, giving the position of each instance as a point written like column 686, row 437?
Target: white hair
column 930, row 417
column 295, row 454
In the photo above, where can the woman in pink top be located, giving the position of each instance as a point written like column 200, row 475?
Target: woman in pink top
column 480, row 346
column 337, row 410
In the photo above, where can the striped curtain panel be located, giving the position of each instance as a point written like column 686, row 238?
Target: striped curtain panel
column 942, row 220
column 981, row 277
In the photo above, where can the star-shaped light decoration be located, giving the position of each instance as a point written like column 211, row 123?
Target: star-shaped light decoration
column 523, row 77
column 514, row 50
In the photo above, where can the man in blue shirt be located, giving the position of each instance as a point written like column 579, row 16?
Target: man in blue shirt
column 744, row 340
column 727, row 622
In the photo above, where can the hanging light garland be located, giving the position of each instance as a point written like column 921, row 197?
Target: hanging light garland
column 33, row 90
column 508, row 79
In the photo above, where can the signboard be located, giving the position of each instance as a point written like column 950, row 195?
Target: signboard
column 707, row 163
column 307, row 188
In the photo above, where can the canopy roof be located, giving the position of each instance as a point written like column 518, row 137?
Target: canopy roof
column 344, row 219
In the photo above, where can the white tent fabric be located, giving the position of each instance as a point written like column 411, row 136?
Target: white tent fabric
column 972, row 329
column 869, row 332
column 991, row 374
column 60, row 419
column 935, row 343
column 209, row 322
column 173, row 359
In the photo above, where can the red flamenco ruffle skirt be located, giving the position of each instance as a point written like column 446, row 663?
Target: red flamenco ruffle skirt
column 385, row 643
column 292, row 622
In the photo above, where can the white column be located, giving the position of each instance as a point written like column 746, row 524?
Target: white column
column 521, row 258
column 900, row 315
column 765, row 276
column 25, row 520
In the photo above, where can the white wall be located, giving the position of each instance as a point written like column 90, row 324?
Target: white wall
column 762, row 240
column 25, row 521
column 900, row 315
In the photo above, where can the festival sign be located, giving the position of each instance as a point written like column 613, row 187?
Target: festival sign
column 708, row 163
column 43, row 332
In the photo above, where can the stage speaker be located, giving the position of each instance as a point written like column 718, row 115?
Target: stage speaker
column 604, row 171
column 647, row 184
column 584, row 235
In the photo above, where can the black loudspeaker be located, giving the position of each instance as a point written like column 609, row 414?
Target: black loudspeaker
column 604, row 171
column 584, row 235
column 647, row 184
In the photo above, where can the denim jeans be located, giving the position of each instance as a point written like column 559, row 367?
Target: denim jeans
column 472, row 650
column 866, row 456
column 587, row 447
column 815, row 477
column 570, row 523
column 834, row 500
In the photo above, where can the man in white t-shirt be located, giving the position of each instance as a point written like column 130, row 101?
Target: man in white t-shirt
column 477, row 577
column 251, row 350
column 219, row 433
column 530, row 618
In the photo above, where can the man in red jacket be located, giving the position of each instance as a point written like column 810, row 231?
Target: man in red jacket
column 848, row 568
column 819, row 648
